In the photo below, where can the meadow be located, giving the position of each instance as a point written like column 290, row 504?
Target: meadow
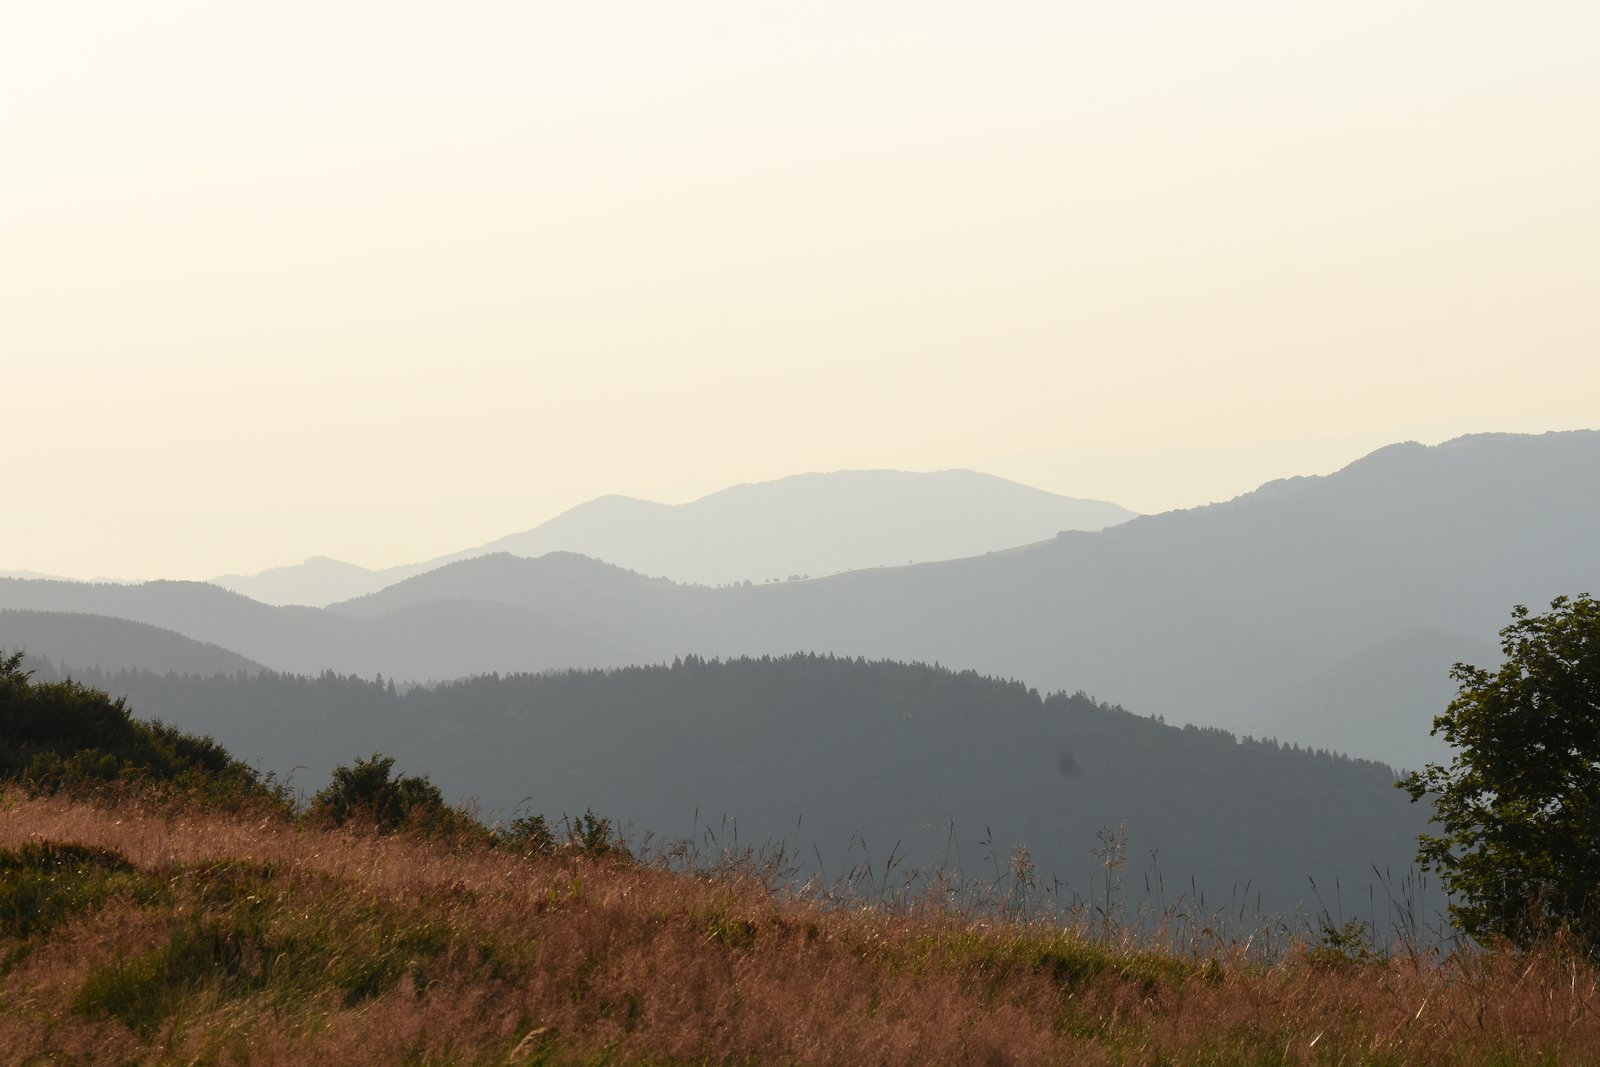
column 135, row 929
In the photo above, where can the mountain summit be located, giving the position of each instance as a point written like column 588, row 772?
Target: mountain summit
column 806, row 524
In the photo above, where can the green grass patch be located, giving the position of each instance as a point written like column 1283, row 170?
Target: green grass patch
column 718, row 918
column 1065, row 957
column 42, row 884
column 251, row 934
column 144, row 991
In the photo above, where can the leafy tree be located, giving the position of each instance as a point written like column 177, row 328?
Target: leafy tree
column 1519, row 804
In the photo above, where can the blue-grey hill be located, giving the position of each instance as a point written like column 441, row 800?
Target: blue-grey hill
column 812, row 524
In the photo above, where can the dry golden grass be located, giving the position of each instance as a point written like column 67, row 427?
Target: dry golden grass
column 240, row 940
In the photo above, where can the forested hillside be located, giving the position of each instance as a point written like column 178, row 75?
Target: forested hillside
column 844, row 760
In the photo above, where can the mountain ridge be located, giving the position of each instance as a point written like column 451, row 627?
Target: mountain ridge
column 748, row 532
column 111, row 644
column 1210, row 615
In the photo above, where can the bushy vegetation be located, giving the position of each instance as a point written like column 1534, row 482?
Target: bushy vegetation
column 64, row 735
column 370, row 791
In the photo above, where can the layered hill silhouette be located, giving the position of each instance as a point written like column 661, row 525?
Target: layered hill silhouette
column 1245, row 614
column 115, row 644
column 807, row 524
column 439, row 640
column 845, row 761
column 1403, row 679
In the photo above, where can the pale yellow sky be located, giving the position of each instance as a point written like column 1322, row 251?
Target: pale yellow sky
column 384, row 280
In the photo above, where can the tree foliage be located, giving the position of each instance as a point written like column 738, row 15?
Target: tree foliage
column 1519, row 804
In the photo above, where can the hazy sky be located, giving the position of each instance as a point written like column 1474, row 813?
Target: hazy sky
column 383, row 280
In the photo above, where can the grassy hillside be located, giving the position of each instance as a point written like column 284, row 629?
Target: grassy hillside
column 140, row 935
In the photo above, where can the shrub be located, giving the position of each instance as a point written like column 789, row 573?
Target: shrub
column 68, row 737
column 593, row 835
column 530, row 834
column 370, row 791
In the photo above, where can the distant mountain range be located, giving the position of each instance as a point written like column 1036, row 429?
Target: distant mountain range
column 847, row 761
column 807, row 524
column 1320, row 609
column 55, row 577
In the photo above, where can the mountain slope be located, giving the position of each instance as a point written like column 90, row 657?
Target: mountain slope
column 821, row 751
column 805, row 524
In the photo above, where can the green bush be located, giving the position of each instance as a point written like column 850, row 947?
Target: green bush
column 529, row 834
column 369, row 791
column 594, row 836
column 589, row 834
column 66, row 736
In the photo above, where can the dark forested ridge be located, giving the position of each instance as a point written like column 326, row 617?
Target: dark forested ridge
column 1222, row 615
column 818, row 750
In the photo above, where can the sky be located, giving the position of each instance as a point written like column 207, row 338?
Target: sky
column 386, row 280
